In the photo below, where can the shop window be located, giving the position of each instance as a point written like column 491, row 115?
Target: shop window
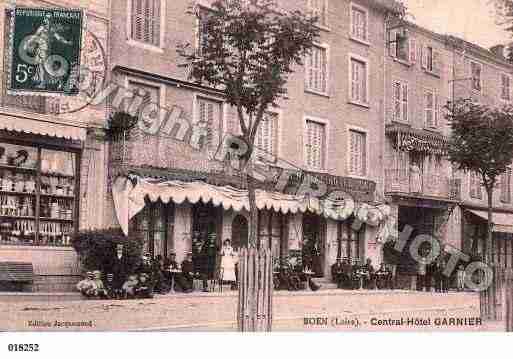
column 154, row 225
column 31, row 175
column 145, row 21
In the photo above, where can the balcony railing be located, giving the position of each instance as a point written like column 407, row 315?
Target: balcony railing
column 401, row 181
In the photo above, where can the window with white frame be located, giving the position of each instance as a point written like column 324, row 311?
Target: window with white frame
column 359, row 23
column 505, row 186
column 475, row 186
column 319, row 8
column 266, row 141
column 505, row 87
column 430, row 59
column 359, row 81
column 431, row 109
column 316, row 71
column 208, row 115
column 357, row 153
column 400, row 92
column 476, row 69
column 315, row 145
column 145, row 21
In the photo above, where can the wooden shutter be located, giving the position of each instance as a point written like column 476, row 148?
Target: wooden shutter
column 397, row 101
column 437, row 65
column 393, row 43
column 137, row 19
column 423, row 56
column 413, row 50
column 404, row 93
column 429, row 105
column 354, row 80
column 436, row 119
column 363, row 75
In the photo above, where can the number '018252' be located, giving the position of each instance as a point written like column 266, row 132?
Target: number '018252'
column 23, row 347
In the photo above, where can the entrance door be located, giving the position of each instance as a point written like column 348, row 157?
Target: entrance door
column 240, row 232
column 206, row 232
column 314, row 234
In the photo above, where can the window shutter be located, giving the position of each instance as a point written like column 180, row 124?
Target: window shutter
column 323, row 69
column 397, row 101
column 354, row 80
column 393, row 43
column 429, row 109
column 436, row 115
column 405, row 102
column 423, row 56
column 413, row 50
column 363, row 74
column 437, row 66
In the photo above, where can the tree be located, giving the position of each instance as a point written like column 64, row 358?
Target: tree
column 481, row 142
column 248, row 49
column 504, row 18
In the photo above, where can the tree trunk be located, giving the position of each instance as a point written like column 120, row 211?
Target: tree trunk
column 255, row 273
column 488, row 296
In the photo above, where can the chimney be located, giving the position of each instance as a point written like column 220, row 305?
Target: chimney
column 498, row 50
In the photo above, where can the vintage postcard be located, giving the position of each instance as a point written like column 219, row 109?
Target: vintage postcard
column 256, row 166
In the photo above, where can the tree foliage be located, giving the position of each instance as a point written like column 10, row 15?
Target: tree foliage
column 481, row 139
column 249, row 49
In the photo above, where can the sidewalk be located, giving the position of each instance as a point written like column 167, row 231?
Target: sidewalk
column 342, row 310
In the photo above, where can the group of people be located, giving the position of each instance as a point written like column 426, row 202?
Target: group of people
column 432, row 275
column 155, row 275
column 348, row 276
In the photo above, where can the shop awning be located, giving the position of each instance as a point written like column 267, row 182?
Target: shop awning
column 129, row 195
column 52, row 129
column 502, row 222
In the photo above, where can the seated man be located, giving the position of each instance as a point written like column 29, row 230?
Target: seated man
column 99, row 291
column 160, row 284
column 110, row 289
column 338, row 274
column 129, row 286
column 383, row 277
column 186, row 279
column 144, row 288
column 87, row 286
column 368, row 270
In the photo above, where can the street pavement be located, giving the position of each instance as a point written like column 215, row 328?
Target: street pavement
column 328, row 310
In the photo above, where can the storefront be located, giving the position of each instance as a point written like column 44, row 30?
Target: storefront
column 476, row 230
column 179, row 214
column 39, row 199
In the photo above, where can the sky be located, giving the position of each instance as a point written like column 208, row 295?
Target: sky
column 472, row 20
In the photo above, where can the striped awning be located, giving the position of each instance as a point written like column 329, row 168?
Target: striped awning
column 502, row 222
column 41, row 127
column 130, row 193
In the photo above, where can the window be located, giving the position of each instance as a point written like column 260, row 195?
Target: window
column 267, row 137
column 359, row 81
column 475, row 186
column 505, row 87
column 399, row 45
column 430, row 59
column 400, row 92
column 505, row 186
column 208, row 114
column 359, row 23
column 154, row 224
column 319, row 8
column 357, row 153
column 145, row 21
column 315, row 145
column 316, row 70
column 349, row 242
column 38, row 196
column 431, row 109
column 475, row 69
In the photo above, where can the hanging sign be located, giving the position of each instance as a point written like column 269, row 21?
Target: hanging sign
column 45, row 51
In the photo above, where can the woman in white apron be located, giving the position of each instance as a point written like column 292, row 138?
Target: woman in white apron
column 228, row 260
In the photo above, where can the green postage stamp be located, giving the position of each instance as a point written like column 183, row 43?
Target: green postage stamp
column 45, row 51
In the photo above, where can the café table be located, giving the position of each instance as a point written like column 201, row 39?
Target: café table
column 173, row 274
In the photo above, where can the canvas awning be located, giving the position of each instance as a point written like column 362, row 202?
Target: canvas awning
column 129, row 193
column 502, row 222
column 52, row 129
